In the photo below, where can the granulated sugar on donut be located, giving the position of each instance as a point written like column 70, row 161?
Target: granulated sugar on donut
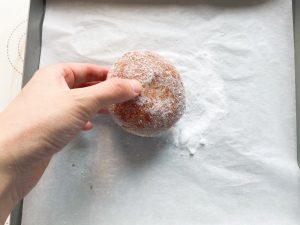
column 162, row 101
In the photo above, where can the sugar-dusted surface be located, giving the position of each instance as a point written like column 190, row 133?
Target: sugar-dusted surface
column 162, row 101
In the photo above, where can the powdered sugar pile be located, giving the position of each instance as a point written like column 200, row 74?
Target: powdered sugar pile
column 206, row 105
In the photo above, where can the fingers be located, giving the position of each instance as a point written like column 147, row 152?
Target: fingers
column 108, row 92
column 78, row 73
column 88, row 126
column 103, row 110
column 116, row 90
column 86, row 84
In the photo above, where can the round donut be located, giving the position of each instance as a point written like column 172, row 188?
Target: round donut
column 162, row 101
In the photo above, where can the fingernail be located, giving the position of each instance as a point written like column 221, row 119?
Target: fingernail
column 136, row 86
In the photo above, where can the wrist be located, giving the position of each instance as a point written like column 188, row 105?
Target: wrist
column 8, row 195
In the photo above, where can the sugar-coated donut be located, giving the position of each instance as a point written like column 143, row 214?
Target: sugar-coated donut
column 162, row 101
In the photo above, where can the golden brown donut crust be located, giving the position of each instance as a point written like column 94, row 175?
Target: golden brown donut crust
column 162, row 101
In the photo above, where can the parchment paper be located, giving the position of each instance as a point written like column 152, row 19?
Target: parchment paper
column 230, row 160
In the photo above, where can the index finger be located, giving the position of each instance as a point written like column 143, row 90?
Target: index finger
column 77, row 73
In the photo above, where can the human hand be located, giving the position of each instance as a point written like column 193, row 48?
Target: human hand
column 55, row 105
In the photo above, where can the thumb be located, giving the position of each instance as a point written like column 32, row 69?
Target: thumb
column 111, row 91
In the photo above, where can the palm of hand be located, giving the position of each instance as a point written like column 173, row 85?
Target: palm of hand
column 50, row 111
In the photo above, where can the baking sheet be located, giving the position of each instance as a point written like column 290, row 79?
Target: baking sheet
column 239, row 125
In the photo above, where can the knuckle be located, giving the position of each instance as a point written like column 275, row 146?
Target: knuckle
column 49, row 70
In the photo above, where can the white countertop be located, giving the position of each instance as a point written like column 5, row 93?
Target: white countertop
column 13, row 25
